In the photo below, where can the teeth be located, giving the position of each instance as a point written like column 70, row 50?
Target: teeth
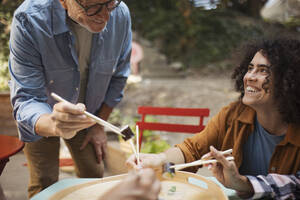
column 250, row 89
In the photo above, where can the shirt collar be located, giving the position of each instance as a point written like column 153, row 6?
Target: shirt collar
column 59, row 22
column 59, row 17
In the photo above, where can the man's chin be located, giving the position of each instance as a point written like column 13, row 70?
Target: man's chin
column 96, row 29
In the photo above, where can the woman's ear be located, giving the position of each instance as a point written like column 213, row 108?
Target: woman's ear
column 63, row 3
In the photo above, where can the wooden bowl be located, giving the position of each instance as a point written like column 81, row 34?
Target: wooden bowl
column 183, row 186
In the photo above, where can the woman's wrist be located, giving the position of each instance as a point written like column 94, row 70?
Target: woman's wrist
column 163, row 158
column 245, row 188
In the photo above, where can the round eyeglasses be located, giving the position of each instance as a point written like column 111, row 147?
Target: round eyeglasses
column 96, row 8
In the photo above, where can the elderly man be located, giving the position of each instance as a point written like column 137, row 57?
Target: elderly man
column 79, row 49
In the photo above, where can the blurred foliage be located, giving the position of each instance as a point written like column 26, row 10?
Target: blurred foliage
column 248, row 7
column 7, row 9
column 195, row 36
column 152, row 142
column 191, row 35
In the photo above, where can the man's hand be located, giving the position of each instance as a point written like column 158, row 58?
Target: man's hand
column 65, row 121
column 226, row 172
column 97, row 136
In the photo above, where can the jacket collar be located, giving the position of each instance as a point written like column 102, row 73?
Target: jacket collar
column 292, row 135
column 247, row 115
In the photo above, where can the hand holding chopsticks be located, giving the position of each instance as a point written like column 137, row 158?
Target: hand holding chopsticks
column 206, row 160
column 126, row 132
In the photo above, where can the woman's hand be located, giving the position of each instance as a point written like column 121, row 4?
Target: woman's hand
column 226, row 172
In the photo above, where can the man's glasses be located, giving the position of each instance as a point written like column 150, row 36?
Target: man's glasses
column 96, row 8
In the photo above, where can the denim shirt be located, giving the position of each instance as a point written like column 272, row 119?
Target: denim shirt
column 43, row 60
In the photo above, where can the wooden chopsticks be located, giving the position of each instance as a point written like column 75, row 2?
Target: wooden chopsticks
column 136, row 150
column 97, row 119
column 202, row 161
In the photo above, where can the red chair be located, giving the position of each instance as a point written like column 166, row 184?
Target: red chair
column 171, row 127
column 9, row 146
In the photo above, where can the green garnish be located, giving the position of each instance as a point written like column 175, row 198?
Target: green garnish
column 172, row 189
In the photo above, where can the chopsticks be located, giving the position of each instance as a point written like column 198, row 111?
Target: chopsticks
column 136, row 151
column 97, row 119
column 202, row 161
column 137, row 135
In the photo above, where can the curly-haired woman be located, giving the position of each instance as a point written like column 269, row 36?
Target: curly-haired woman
column 262, row 127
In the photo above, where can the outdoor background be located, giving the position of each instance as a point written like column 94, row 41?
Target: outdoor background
column 189, row 49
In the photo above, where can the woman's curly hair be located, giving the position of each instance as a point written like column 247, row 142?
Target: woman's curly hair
column 284, row 57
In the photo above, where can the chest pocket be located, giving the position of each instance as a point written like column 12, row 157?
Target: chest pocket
column 99, row 79
column 61, row 81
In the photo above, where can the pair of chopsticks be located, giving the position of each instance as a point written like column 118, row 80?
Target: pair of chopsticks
column 136, row 151
column 126, row 130
column 202, row 161
column 97, row 119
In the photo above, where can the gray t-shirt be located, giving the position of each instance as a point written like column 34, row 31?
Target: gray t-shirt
column 83, row 43
column 258, row 150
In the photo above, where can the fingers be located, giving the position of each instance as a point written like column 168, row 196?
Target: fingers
column 68, row 135
column 67, row 107
column 219, row 157
column 104, row 150
column 68, row 119
column 149, row 183
column 100, row 151
column 99, row 154
column 131, row 162
column 65, row 111
column 206, row 156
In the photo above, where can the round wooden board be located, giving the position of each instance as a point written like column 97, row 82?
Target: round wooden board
column 176, row 188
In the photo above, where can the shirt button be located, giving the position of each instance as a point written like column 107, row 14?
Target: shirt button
column 77, row 89
column 70, row 33
column 51, row 81
column 273, row 169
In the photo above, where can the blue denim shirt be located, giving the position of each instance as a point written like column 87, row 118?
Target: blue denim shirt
column 43, row 60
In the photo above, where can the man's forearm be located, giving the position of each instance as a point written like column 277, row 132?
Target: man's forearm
column 104, row 114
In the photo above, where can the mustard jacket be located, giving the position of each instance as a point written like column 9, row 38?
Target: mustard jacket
column 230, row 128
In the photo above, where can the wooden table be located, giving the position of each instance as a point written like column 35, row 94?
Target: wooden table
column 9, row 146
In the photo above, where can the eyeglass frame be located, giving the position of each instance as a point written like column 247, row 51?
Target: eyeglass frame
column 98, row 4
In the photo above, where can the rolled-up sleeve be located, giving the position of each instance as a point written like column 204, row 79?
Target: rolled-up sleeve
column 276, row 186
column 27, row 86
column 195, row 147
